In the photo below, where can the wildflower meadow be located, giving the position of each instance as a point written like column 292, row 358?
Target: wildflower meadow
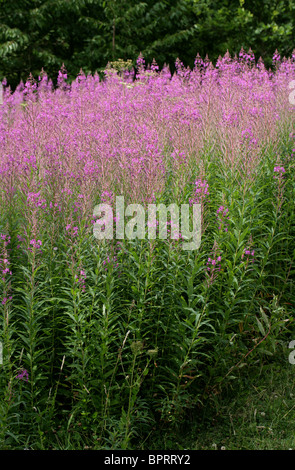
column 107, row 340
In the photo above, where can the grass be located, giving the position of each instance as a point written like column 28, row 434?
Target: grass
column 255, row 413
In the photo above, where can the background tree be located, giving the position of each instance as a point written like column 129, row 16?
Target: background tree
column 89, row 33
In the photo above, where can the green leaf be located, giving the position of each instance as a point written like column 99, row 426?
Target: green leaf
column 260, row 327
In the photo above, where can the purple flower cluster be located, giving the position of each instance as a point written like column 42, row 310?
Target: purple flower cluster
column 36, row 200
column 5, row 269
column 212, row 264
column 6, row 299
column 179, row 158
column 23, row 375
column 201, row 192
column 111, row 261
column 248, row 256
column 107, row 197
column 81, row 279
column 35, row 246
column 280, row 170
column 72, row 231
column 222, row 218
column 62, row 149
column 243, row 55
column 4, row 261
column 276, row 57
column 5, row 238
column 36, row 243
column 247, row 134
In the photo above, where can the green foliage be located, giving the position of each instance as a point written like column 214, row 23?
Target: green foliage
column 149, row 340
column 88, row 34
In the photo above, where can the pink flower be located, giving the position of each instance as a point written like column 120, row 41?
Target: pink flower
column 35, row 244
column 6, row 271
column 201, row 192
column 279, row 169
column 23, row 375
column 212, row 271
column 248, row 253
column 222, row 219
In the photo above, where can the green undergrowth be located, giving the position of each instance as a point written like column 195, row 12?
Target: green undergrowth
column 254, row 413
column 127, row 345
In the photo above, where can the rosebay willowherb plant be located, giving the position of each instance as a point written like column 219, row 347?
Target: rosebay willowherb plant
column 105, row 340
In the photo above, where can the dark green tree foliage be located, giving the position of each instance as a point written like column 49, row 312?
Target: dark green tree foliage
column 263, row 25
column 89, row 33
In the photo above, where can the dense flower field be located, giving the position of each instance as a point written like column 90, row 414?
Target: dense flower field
column 104, row 341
